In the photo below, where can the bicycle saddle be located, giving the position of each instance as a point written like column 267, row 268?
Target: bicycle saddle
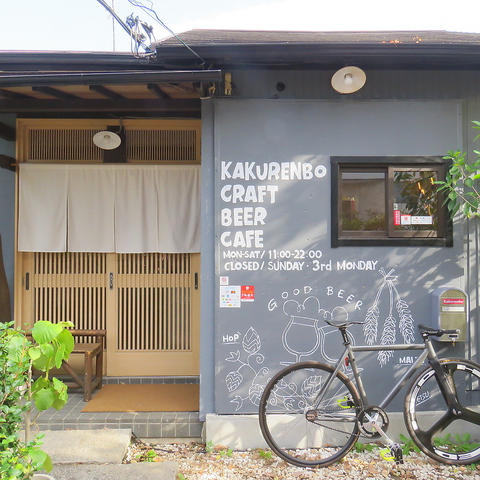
column 339, row 318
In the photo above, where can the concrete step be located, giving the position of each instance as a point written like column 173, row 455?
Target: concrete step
column 98, row 455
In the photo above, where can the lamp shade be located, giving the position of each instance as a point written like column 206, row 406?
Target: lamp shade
column 348, row 79
column 106, row 140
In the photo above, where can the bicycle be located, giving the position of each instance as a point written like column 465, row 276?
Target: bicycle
column 311, row 414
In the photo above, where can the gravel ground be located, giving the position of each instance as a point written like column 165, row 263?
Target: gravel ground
column 198, row 462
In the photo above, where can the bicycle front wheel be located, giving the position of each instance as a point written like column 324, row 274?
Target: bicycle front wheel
column 448, row 434
column 308, row 416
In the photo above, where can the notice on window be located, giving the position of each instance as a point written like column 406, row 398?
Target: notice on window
column 422, row 220
column 397, row 215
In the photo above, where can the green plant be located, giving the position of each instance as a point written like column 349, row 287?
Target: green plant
column 227, row 452
column 222, row 451
column 364, row 447
column 457, row 443
column 374, row 222
column 461, row 186
column 265, row 454
column 408, row 445
column 209, row 447
column 148, row 456
column 46, row 347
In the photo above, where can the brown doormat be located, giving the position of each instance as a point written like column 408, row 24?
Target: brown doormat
column 145, row 398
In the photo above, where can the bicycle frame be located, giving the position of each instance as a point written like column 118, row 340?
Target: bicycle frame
column 427, row 352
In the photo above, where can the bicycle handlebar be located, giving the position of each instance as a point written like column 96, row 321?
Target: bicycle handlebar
column 438, row 332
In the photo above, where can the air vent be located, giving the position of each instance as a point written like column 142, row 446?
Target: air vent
column 162, row 145
column 147, row 141
column 63, row 145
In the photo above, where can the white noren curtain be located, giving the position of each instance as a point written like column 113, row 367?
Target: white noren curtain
column 42, row 204
column 109, row 208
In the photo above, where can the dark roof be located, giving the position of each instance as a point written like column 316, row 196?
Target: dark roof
column 216, row 37
column 388, row 49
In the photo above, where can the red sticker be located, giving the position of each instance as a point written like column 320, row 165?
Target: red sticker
column 247, row 293
column 396, row 217
column 453, row 301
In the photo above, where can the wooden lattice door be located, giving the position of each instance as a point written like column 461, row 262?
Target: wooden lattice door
column 148, row 303
column 157, row 320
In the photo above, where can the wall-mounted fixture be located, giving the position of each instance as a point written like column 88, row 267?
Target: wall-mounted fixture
column 113, row 143
column 228, row 84
column 349, row 80
column 107, row 140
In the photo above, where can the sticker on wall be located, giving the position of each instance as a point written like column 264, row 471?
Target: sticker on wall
column 230, row 296
column 248, row 293
column 223, row 280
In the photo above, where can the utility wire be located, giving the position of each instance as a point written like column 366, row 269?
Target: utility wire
column 134, row 35
column 137, row 3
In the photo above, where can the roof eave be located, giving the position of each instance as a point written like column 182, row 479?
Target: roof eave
column 89, row 78
column 324, row 54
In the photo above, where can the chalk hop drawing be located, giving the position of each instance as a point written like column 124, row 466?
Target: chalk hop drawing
column 404, row 323
column 304, row 333
column 301, row 337
column 289, row 395
column 249, row 361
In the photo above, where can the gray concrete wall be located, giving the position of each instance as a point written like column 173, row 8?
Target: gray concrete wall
column 278, row 277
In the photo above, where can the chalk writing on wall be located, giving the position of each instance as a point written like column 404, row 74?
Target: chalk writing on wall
column 248, row 190
column 306, row 335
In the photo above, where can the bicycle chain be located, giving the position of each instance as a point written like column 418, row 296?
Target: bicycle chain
column 360, row 411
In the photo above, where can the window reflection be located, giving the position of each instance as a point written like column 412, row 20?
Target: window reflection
column 415, row 200
column 363, row 201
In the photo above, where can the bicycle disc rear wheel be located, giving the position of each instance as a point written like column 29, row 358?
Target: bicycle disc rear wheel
column 300, row 431
column 446, row 434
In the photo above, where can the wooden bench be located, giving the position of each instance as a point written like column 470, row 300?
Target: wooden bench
column 91, row 351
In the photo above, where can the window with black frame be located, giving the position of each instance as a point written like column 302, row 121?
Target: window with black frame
column 388, row 201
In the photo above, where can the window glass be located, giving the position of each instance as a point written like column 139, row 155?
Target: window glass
column 389, row 201
column 363, row 202
column 415, row 200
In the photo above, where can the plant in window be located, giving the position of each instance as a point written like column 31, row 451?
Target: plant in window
column 418, row 192
column 352, row 221
column 375, row 221
column 461, row 186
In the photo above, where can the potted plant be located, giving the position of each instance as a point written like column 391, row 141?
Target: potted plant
column 42, row 348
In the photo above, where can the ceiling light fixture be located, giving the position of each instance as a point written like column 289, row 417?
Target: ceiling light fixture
column 106, row 140
column 349, row 80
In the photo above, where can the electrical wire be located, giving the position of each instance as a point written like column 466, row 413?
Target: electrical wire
column 153, row 14
column 137, row 38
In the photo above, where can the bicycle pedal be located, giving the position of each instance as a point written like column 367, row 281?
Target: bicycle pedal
column 397, row 453
column 392, row 454
column 386, row 454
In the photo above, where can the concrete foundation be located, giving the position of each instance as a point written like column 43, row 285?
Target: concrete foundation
column 241, row 432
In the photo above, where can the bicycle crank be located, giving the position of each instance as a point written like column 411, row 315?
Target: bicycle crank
column 373, row 422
